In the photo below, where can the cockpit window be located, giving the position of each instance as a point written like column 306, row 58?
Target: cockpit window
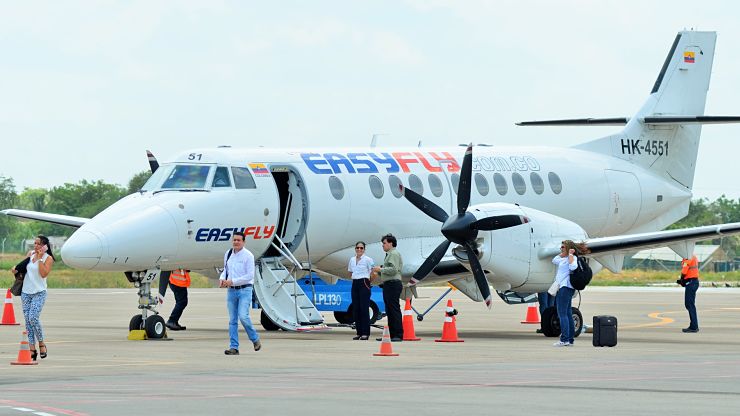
column 242, row 178
column 187, row 177
column 221, row 178
column 153, row 182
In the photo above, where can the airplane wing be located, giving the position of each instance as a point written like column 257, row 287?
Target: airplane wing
column 43, row 216
column 621, row 121
column 609, row 251
column 632, row 242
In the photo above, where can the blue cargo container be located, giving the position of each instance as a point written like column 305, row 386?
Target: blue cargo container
column 338, row 298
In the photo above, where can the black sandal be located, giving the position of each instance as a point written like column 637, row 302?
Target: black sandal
column 42, row 353
column 34, row 354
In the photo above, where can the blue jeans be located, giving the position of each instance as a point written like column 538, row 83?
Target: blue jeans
column 563, row 302
column 689, row 300
column 545, row 300
column 238, row 302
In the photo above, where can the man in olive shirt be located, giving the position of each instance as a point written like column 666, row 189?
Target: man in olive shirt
column 390, row 276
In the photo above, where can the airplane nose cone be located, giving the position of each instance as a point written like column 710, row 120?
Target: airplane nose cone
column 82, row 250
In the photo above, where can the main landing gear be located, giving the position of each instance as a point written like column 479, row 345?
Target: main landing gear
column 149, row 319
column 551, row 322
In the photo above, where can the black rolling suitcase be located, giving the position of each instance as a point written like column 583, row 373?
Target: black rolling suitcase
column 605, row 331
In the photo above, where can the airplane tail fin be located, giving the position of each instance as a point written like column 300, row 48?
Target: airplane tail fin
column 663, row 136
column 670, row 149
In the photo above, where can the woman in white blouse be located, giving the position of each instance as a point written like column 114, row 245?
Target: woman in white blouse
column 360, row 267
column 33, row 295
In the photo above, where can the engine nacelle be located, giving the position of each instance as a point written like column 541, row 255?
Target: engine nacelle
column 511, row 256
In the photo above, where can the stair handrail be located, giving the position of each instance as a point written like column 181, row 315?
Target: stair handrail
column 287, row 254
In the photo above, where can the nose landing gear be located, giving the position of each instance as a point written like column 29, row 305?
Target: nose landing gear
column 149, row 319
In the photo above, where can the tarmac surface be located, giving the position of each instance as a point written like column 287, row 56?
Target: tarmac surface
column 502, row 367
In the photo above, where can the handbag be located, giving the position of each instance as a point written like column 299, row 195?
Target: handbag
column 20, row 274
column 553, row 290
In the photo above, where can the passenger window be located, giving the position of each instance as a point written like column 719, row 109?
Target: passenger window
column 336, row 187
column 501, row 186
column 555, row 183
column 187, row 177
column 415, row 184
column 376, row 186
column 242, row 178
column 221, row 178
column 394, row 182
column 455, row 179
column 435, row 185
column 519, row 186
column 481, row 183
column 537, row 185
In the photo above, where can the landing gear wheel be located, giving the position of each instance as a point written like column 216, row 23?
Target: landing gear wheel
column 154, row 326
column 577, row 322
column 373, row 311
column 267, row 322
column 341, row 317
column 136, row 323
column 550, row 323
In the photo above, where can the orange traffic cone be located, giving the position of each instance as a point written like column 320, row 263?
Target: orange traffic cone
column 8, row 313
column 408, row 323
column 24, row 354
column 533, row 316
column 449, row 329
column 385, row 347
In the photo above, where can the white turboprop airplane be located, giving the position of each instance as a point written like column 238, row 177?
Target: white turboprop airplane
column 312, row 205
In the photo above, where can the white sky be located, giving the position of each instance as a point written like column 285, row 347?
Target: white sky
column 86, row 87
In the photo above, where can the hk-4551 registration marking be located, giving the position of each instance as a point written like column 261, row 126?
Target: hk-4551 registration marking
column 649, row 147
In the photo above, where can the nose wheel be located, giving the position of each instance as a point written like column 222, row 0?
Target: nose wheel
column 149, row 319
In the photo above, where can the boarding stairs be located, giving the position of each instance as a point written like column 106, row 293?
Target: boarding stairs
column 280, row 296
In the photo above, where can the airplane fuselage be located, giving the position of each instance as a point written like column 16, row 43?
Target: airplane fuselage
column 320, row 202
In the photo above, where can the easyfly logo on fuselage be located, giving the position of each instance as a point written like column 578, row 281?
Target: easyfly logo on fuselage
column 256, row 232
column 332, row 163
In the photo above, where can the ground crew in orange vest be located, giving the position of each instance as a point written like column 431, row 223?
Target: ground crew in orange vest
column 179, row 281
column 690, row 281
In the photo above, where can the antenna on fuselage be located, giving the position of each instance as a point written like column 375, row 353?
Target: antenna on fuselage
column 374, row 140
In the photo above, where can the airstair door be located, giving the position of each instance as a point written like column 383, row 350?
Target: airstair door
column 280, row 296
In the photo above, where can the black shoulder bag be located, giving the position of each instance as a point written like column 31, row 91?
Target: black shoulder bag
column 20, row 273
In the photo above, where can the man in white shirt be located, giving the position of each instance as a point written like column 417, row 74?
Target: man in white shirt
column 238, row 277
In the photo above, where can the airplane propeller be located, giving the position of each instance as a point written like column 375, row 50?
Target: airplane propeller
column 462, row 228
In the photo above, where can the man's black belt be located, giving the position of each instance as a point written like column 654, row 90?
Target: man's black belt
column 241, row 286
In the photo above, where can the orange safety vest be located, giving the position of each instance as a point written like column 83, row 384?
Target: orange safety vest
column 690, row 268
column 180, row 278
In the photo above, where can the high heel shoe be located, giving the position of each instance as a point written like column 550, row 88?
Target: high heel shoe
column 42, row 354
column 34, row 354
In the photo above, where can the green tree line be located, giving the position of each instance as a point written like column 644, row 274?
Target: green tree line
column 83, row 199
column 722, row 210
column 87, row 199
